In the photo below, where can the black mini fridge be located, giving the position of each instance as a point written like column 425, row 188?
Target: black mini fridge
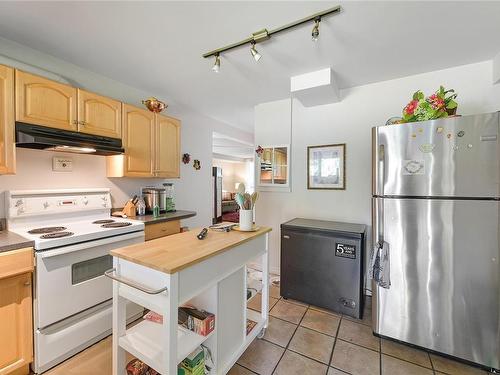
column 322, row 264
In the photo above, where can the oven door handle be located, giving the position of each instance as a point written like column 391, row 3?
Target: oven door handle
column 111, row 275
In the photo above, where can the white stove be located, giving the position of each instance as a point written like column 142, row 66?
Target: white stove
column 73, row 234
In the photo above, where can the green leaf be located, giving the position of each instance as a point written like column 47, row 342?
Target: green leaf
column 452, row 104
column 418, row 95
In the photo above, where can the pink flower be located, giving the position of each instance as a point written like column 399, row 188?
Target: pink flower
column 411, row 106
column 436, row 101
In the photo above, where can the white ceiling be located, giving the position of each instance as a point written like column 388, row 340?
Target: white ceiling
column 157, row 46
column 227, row 148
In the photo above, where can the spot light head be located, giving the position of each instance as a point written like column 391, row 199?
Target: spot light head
column 256, row 55
column 315, row 30
column 216, row 67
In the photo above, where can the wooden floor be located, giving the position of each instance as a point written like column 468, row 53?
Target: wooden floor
column 92, row 361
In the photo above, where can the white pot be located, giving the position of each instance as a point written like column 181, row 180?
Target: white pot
column 246, row 220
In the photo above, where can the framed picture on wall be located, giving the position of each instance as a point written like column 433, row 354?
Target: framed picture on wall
column 326, row 167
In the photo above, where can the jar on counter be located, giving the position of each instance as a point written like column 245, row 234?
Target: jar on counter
column 141, row 207
column 169, row 197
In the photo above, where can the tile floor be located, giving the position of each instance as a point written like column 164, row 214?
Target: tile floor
column 303, row 339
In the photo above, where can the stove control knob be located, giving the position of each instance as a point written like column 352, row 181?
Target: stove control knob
column 85, row 201
column 19, row 202
column 46, row 205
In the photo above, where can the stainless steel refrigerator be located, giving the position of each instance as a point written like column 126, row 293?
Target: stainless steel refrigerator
column 436, row 203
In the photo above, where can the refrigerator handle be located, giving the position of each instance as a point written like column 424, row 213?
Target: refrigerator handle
column 378, row 221
column 381, row 169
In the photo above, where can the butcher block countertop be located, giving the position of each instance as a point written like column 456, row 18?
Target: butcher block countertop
column 173, row 253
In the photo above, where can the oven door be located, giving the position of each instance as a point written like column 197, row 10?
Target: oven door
column 70, row 279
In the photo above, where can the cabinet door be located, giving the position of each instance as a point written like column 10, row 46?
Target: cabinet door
column 99, row 115
column 167, row 147
column 41, row 101
column 7, row 147
column 16, row 331
column 138, row 131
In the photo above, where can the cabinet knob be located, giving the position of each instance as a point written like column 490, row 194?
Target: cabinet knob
column 75, row 122
column 27, row 283
column 81, row 122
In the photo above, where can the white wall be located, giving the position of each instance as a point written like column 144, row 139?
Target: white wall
column 496, row 68
column 350, row 121
column 192, row 191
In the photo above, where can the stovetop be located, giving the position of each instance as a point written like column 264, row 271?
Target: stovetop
column 55, row 218
column 74, row 231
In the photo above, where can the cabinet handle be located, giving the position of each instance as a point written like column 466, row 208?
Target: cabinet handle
column 286, row 237
column 81, row 122
column 27, row 283
column 75, row 122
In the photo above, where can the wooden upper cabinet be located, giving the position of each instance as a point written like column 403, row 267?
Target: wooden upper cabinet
column 99, row 115
column 151, row 143
column 44, row 102
column 7, row 142
column 138, row 131
column 167, row 147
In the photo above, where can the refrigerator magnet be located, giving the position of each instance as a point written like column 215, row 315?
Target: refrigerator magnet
column 413, row 167
column 426, row 148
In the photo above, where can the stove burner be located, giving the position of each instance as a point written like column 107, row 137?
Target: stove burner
column 46, row 230
column 117, row 225
column 56, row 235
column 105, row 221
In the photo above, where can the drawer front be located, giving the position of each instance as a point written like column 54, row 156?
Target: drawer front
column 16, row 262
column 163, row 229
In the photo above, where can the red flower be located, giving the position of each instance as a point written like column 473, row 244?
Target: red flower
column 411, row 106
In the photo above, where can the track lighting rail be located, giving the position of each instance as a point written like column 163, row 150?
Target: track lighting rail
column 264, row 34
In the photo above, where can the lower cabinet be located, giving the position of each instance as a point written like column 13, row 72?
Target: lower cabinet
column 16, row 318
column 16, row 331
column 166, row 228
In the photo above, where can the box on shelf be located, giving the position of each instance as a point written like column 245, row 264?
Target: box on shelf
column 198, row 321
column 193, row 364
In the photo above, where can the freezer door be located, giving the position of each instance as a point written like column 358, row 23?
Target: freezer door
column 445, row 276
column 453, row 157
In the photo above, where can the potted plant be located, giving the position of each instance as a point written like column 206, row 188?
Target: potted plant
column 440, row 104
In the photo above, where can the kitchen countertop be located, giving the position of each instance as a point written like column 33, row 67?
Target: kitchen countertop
column 173, row 253
column 11, row 241
column 168, row 216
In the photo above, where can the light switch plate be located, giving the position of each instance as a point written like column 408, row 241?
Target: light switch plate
column 62, row 164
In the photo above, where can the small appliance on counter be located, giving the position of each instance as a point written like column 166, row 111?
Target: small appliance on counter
column 322, row 264
column 159, row 199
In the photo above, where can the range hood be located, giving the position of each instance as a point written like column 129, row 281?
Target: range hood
column 43, row 138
